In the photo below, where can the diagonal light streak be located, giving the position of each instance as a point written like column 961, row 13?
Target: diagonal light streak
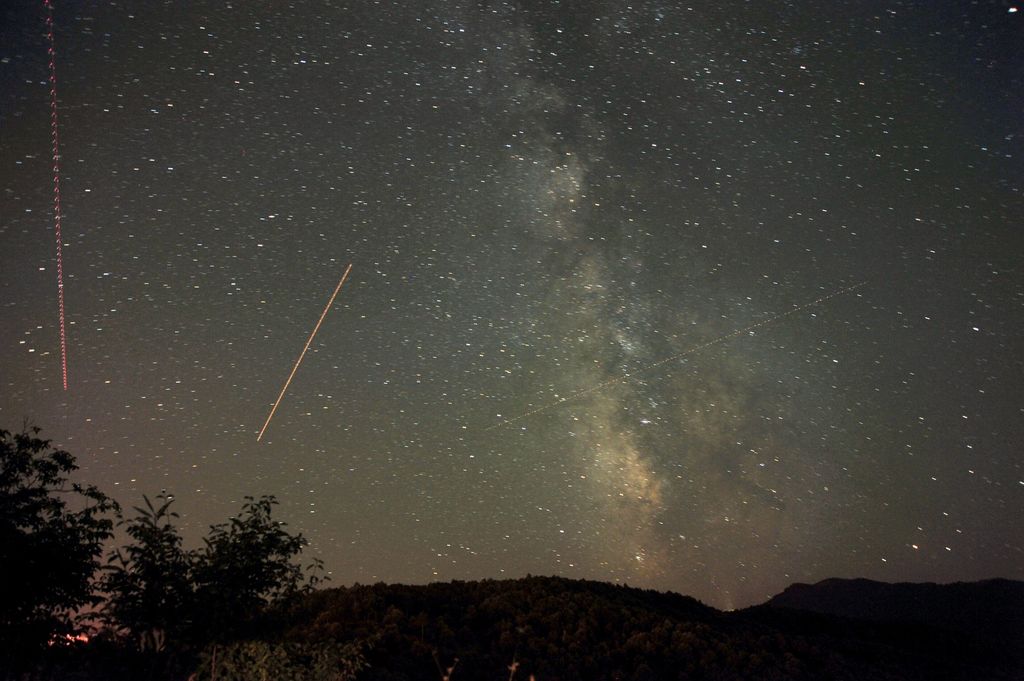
column 623, row 378
column 303, row 354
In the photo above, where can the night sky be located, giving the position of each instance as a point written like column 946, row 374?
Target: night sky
column 579, row 233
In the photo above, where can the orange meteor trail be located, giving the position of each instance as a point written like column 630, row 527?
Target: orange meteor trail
column 299, row 360
column 695, row 349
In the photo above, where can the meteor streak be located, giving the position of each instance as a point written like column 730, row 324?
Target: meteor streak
column 686, row 353
column 303, row 354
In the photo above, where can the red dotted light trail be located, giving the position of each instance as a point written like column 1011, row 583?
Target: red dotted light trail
column 56, row 190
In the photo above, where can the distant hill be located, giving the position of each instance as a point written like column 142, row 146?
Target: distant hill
column 993, row 607
column 986, row 617
column 568, row 630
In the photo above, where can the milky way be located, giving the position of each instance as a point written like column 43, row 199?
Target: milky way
column 578, row 336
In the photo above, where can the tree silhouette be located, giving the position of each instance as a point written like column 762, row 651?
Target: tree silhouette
column 166, row 602
column 166, row 597
column 148, row 581
column 51, row 540
column 245, row 565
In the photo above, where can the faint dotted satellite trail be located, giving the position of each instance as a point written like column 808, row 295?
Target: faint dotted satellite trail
column 691, row 351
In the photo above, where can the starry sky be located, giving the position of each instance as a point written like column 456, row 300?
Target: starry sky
column 702, row 296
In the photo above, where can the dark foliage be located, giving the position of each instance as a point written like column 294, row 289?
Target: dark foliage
column 281, row 661
column 162, row 605
column 51, row 539
column 246, row 565
column 240, row 607
column 559, row 629
column 168, row 604
column 147, row 582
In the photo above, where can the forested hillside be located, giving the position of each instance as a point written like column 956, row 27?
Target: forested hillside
column 559, row 629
